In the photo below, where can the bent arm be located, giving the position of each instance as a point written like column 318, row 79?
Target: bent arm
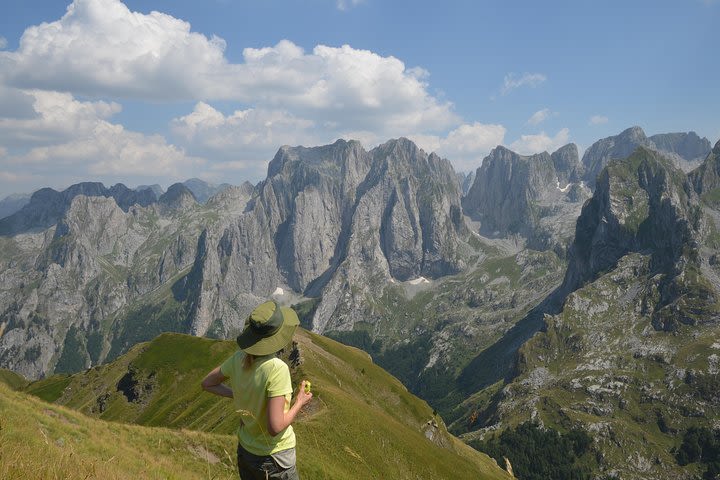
column 213, row 383
column 278, row 418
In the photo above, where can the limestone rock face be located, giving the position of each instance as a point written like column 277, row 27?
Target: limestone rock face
column 537, row 197
column 612, row 148
column 706, row 177
column 177, row 197
column 467, row 181
column 407, row 223
column 287, row 235
column 567, row 164
column 640, row 295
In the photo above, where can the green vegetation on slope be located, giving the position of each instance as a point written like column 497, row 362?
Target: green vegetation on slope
column 42, row 441
column 701, row 445
column 12, row 379
column 538, row 453
column 362, row 423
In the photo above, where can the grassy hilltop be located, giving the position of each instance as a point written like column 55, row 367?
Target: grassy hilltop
column 362, row 423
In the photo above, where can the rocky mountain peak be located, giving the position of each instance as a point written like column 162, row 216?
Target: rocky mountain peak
column 633, row 134
column 327, row 159
column 610, row 148
column 687, row 145
column 177, row 197
column 203, row 190
column 706, row 177
column 506, row 185
column 567, row 164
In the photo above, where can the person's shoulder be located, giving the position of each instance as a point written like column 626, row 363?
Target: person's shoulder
column 235, row 359
column 237, row 355
column 275, row 365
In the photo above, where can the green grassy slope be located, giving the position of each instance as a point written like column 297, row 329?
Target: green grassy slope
column 42, row 441
column 362, row 423
column 12, row 379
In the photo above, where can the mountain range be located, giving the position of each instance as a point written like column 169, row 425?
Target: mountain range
column 548, row 288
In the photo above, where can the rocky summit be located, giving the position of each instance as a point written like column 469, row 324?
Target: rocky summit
column 537, row 197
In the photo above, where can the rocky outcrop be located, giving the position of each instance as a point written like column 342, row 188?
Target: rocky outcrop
column 639, row 304
column 567, row 164
column 537, row 197
column 706, row 177
column 47, row 206
column 467, row 181
column 612, row 148
column 286, row 237
column 58, row 286
column 177, row 197
column 232, row 199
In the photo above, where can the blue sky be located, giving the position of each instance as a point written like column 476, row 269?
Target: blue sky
column 110, row 91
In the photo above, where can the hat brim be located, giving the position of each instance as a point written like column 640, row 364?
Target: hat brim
column 254, row 344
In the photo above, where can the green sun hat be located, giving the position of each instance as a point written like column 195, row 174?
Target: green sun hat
column 268, row 329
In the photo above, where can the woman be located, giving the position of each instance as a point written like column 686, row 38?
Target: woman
column 261, row 390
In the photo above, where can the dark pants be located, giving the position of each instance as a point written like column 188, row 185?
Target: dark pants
column 253, row 467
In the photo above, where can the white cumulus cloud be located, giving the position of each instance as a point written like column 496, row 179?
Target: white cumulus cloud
column 3, row 42
column 70, row 139
column 511, row 81
column 598, row 120
column 57, row 117
column 101, row 48
column 531, row 144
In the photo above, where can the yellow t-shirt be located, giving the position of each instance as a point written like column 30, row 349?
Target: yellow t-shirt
column 267, row 377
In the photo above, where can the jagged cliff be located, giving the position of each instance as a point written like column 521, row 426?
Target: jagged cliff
column 537, row 197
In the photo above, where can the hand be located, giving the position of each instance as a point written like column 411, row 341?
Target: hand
column 302, row 397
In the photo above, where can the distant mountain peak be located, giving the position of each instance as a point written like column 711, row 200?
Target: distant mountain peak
column 177, row 196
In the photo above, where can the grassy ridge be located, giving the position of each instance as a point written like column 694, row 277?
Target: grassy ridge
column 362, row 423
